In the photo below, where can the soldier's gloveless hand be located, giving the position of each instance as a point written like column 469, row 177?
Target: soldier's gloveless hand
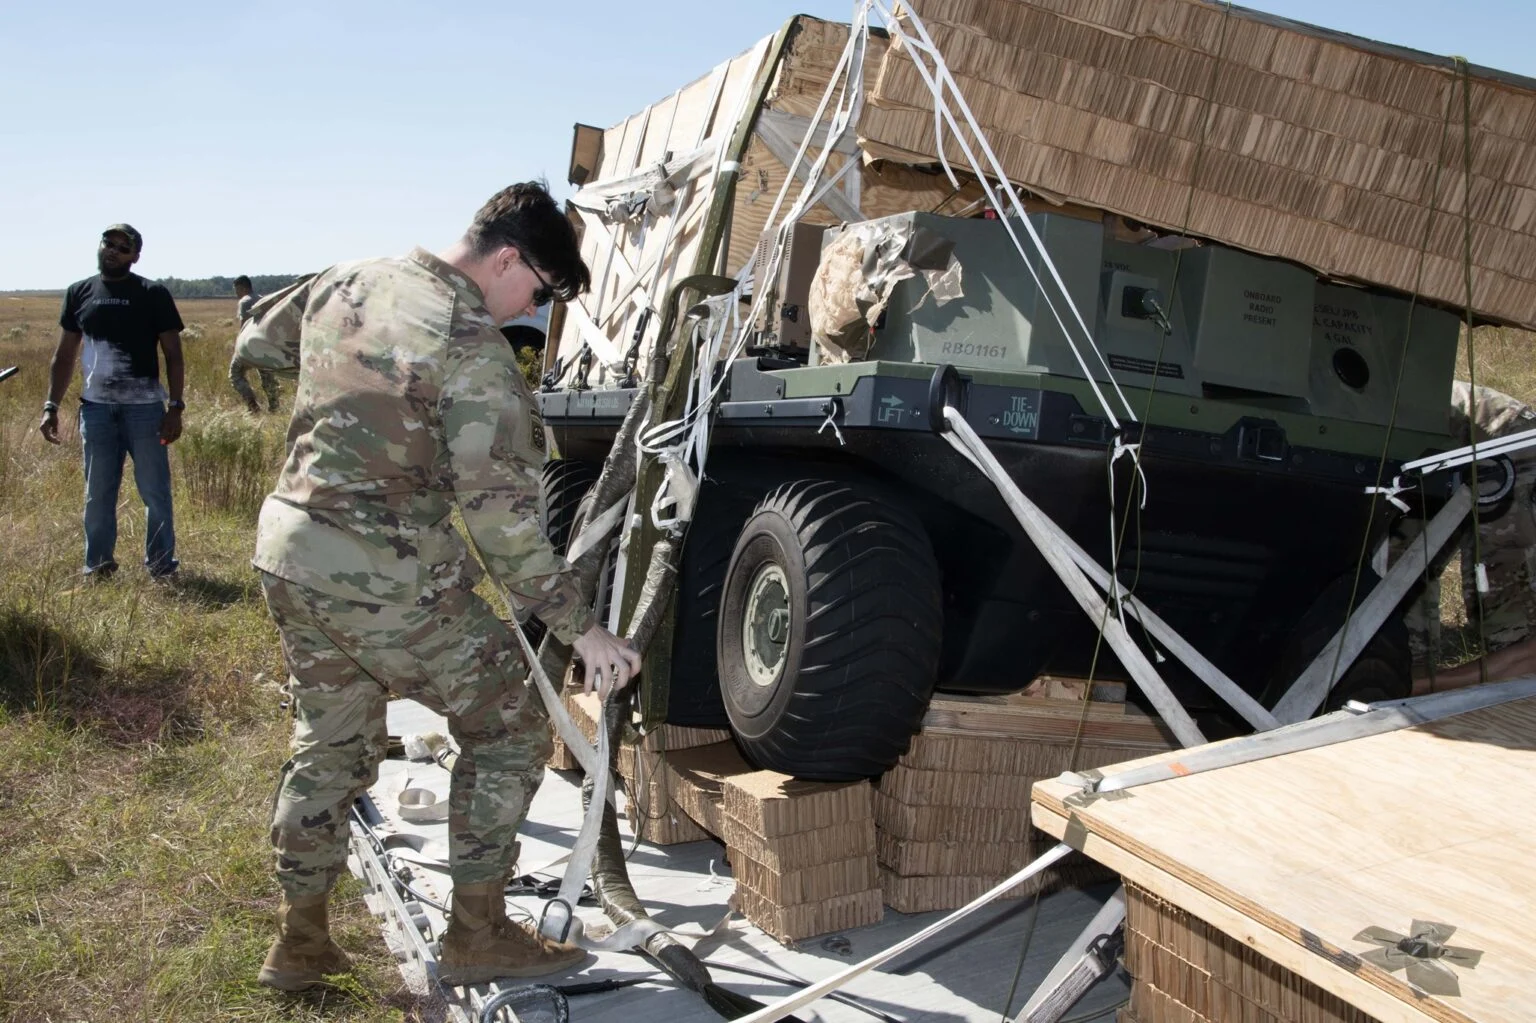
column 608, row 662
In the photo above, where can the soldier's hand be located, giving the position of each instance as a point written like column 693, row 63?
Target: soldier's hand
column 609, row 662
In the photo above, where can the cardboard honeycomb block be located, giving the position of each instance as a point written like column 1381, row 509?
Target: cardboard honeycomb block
column 1215, row 976
column 773, row 804
column 923, row 894
column 697, row 777
column 950, row 823
column 783, row 853
column 561, row 759
column 1048, row 719
column 651, row 807
column 937, row 749
column 808, row 884
column 909, row 859
column 585, row 710
column 1150, row 1005
column 963, row 789
column 807, row 920
column 663, row 823
column 676, row 737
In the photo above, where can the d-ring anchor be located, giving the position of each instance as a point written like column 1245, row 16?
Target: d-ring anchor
column 946, row 387
column 565, row 927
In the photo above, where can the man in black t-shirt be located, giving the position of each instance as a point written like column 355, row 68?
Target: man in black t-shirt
column 123, row 323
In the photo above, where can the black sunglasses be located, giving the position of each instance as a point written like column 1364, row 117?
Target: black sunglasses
column 123, row 247
column 546, row 291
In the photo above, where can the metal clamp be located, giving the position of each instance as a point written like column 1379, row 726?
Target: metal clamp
column 1108, row 948
column 583, row 368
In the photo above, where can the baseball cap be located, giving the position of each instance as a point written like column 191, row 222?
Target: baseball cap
column 129, row 230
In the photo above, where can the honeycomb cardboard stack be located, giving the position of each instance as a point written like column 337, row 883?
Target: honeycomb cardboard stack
column 953, row 814
column 803, row 853
column 1248, row 129
column 947, row 823
column 650, row 806
column 1189, row 972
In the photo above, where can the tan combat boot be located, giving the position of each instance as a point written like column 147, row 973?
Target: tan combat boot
column 303, row 953
column 482, row 945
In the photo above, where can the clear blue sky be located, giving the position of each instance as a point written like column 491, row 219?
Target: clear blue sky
column 267, row 138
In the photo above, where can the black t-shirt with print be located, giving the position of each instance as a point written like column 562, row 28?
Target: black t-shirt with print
column 120, row 322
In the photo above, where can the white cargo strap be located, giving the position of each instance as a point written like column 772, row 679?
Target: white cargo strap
column 1391, row 492
column 585, row 754
column 965, row 440
column 682, row 444
column 560, row 921
column 940, row 81
column 679, row 491
column 595, row 531
column 565, row 925
column 602, row 346
column 1505, row 445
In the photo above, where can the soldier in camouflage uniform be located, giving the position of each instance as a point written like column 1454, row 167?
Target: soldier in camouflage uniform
column 409, row 406
column 1505, row 539
column 245, row 299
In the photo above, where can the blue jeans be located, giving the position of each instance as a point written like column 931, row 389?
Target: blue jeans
column 108, row 432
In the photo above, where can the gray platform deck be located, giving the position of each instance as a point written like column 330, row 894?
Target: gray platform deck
column 962, row 975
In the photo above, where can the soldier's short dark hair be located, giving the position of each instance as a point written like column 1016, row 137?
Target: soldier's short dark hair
column 242, row 281
column 527, row 217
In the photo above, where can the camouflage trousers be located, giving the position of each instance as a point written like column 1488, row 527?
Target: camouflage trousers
column 344, row 660
column 242, row 385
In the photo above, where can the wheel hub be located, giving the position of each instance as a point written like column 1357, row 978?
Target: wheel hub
column 765, row 627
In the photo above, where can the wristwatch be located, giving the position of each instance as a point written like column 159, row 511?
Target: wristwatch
column 176, row 403
column 50, row 406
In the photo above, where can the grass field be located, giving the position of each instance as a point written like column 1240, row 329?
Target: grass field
column 140, row 726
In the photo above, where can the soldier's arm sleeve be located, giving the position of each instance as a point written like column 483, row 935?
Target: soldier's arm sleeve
column 496, row 450
column 269, row 339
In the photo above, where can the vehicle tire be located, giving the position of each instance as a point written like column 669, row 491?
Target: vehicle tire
column 694, row 698
column 1384, row 669
column 831, row 624
column 564, row 483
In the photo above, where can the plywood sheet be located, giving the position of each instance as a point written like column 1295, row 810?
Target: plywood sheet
column 1297, row 854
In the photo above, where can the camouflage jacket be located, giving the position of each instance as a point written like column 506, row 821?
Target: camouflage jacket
column 1498, row 415
column 409, row 404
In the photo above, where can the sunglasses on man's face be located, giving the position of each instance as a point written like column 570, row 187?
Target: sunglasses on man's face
column 545, row 292
column 122, row 247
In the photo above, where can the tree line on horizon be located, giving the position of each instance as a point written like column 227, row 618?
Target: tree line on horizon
column 223, row 287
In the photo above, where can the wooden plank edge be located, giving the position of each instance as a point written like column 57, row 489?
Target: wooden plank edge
column 1370, row 990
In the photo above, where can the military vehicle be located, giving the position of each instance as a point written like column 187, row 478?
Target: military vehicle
column 843, row 562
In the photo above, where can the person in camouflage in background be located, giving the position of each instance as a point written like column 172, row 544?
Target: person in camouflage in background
column 410, row 405
column 1506, row 541
column 245, row 299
